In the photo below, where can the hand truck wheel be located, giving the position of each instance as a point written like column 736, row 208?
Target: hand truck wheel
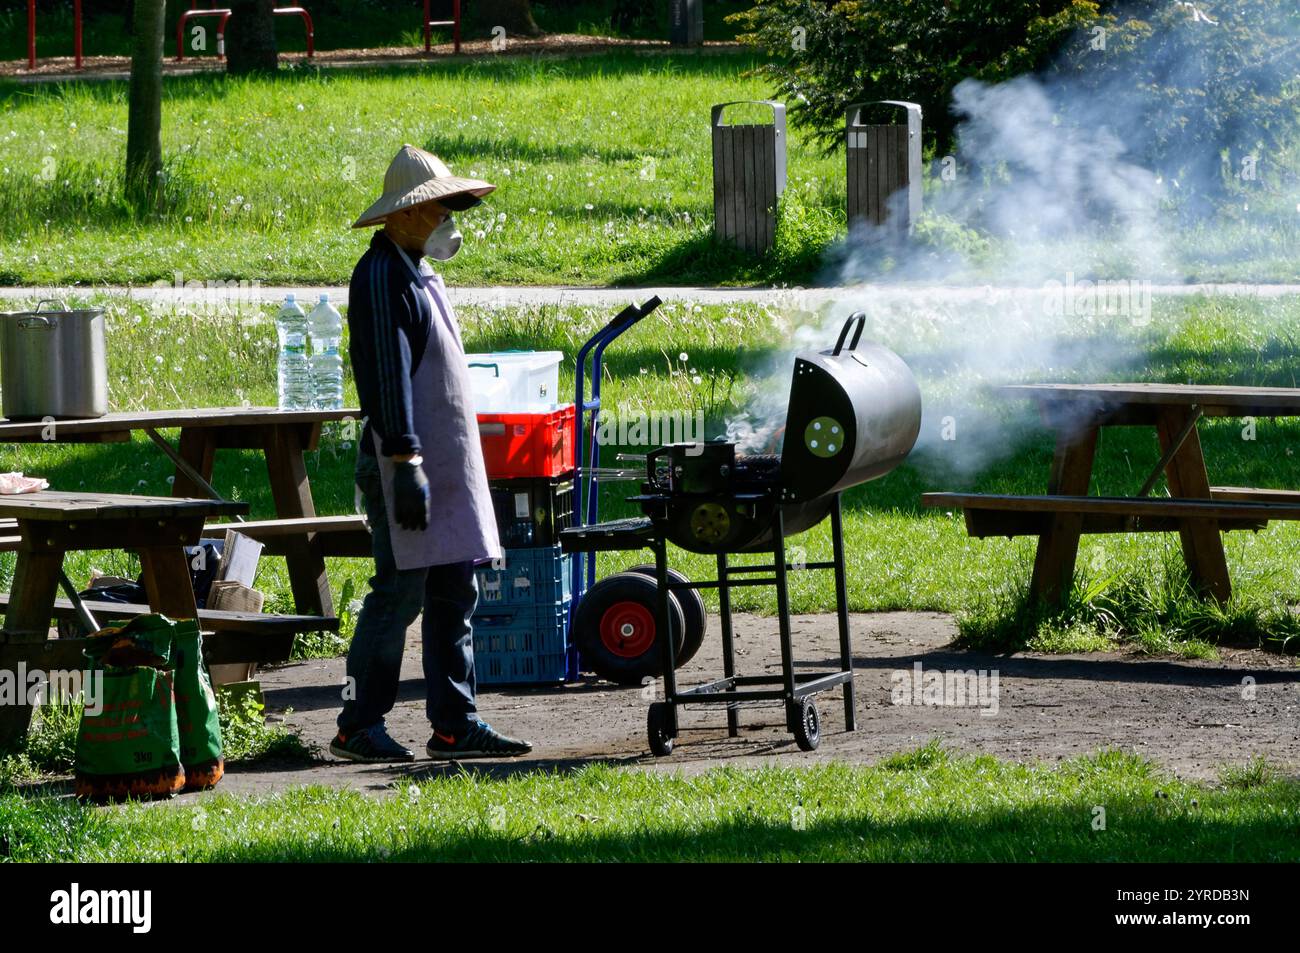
column 661, row 742
column 692, row 603
column 806, row 724
column 615, row 629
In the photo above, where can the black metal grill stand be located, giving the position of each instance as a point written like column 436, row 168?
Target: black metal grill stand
column 793, row 690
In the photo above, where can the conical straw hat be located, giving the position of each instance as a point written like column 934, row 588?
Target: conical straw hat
column 414, row 177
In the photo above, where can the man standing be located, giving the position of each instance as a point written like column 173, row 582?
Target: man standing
column 420, row 470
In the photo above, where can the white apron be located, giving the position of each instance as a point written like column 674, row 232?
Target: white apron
column 462, row 526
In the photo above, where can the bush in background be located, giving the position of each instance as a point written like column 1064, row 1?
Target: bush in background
column 1193, row 90
column 827, row 56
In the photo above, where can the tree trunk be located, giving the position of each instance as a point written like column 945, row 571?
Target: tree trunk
column 250, row 37
column 144, row 106
column 515, row 15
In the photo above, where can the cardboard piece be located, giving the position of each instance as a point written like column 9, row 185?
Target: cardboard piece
column 233, row 592
column 239, row 558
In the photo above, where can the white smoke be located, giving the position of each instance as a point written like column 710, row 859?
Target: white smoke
column 1049, row 169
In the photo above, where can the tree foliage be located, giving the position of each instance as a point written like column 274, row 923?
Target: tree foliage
column 1191, row 86
column 828, row 55
column 1183, row 84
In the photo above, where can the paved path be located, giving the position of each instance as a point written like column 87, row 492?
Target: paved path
column 513, row 295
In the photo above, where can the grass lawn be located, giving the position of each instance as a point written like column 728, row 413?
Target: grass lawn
column 902, row 557
column 603, row 164
column 924, row 805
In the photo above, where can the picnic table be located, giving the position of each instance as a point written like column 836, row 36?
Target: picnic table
column 283, row 436
column 51, row 524
column 1196, row 510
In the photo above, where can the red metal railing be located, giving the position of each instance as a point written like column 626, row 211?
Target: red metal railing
column 306, row 19
column 454, row 23
column 193, row 11
column 31, row 33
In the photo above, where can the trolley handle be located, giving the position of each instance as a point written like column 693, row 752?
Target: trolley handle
column 632, row 314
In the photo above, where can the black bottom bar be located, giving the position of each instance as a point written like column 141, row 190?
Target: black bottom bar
column 732, row 690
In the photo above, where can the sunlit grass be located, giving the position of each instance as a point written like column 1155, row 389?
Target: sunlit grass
column 926, row 805
column 603, row 165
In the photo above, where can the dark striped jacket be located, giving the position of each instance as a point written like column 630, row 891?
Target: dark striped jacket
column 389, row 319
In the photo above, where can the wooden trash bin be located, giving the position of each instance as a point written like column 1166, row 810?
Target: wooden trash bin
column 883, row 168
column 748, row 177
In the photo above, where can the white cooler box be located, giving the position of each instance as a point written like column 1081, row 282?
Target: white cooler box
column 508, row 382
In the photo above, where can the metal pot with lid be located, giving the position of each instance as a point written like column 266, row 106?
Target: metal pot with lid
column 53, row 363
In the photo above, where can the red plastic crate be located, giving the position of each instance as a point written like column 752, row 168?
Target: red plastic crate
column 528, row 445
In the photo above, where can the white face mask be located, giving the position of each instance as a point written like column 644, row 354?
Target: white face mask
column 444, row 241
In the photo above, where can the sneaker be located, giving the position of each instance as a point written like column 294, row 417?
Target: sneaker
column 370, row 745
column 479, row 740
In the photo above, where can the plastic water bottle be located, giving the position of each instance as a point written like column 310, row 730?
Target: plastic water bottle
column 294, row 372
column 325, row 325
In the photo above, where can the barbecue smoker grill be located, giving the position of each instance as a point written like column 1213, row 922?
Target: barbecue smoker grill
column 853, row 415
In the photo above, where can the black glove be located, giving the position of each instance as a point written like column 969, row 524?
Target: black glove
column 410, row 495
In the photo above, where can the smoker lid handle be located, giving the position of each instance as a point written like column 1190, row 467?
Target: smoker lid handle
column 861, row 319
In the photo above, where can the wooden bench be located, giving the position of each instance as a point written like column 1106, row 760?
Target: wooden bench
column 283, row 437
column 230, row 636
column 1196, row 510
column 1250, row 494
column 9, row 538
column 327, row 535
column 235, row 636
column 1059, row 521
column 53, row 524
column 991, row 514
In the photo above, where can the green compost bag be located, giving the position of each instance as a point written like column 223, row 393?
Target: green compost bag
column 196, row 710
column 145, row 640
column 129, row 744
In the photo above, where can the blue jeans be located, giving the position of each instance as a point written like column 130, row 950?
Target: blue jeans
column 447, row 596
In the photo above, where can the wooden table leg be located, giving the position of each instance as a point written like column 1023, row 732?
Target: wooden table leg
column 291, row 491
column 198, row 448
column 1207, row 563
column 31, row 606
column 167, row 581
column 1058, row 547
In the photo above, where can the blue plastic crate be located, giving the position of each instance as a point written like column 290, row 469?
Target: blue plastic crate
column 538, row 575
column 515, row 645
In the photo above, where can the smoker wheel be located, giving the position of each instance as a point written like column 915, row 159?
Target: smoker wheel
column 692, row 603
column 614, row 628
column 661, row 742
column 806, row 724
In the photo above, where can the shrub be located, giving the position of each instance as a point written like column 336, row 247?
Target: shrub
column 1190, row 90
column 827, row 56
